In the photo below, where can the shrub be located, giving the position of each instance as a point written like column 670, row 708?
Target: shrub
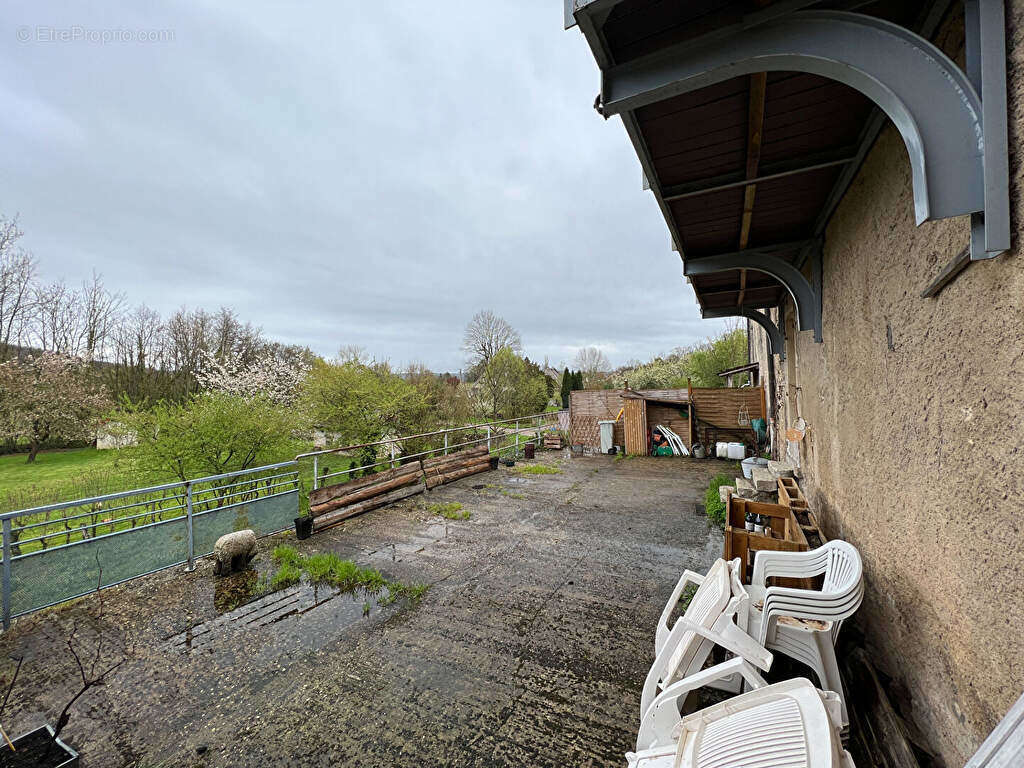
column 714, row 508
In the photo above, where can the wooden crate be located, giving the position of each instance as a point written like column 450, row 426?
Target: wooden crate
column 791, row 496
column 787, row 536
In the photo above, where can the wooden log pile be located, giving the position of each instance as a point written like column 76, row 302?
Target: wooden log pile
column 333, row 503
column 445, row 469
column 553, row 440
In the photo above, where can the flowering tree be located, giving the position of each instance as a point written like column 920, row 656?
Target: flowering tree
column 213, row 433
column 47, row 396
column 266, row 375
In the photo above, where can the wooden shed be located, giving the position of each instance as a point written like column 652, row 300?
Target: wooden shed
column 695, row 414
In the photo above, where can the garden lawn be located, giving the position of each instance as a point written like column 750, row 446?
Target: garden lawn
column 64, row 475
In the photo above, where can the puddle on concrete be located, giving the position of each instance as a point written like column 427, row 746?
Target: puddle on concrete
column 347, row 608
column 234, row 591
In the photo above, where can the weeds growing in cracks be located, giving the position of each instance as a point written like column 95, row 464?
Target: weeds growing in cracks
column 450, row 511
column 329, row 569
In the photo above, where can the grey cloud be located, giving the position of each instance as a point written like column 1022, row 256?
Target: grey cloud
column 368, row 173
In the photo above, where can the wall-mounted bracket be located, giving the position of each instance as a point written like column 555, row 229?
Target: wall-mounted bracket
column 776, row 341
column 806, row 293
column 956, row 138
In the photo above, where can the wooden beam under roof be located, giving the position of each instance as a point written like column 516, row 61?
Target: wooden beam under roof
column 755, row 130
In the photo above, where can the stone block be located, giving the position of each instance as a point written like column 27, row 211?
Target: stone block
column 744, row 488
column 763, row 480
column 724, row 492
column 781, row 469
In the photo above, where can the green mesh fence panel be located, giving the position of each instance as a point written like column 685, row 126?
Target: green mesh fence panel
column 264, row 515
column 58, row 573
column 48, row 576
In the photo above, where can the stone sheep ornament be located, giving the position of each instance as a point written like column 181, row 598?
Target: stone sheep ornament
column 233, row 551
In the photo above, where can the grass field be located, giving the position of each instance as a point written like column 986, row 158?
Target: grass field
column 71, row 474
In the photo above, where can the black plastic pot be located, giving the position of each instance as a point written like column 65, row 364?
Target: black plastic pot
column 39, row 748
column 303, row 527
column 494, row 462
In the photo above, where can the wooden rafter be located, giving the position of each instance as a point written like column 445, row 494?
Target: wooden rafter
column 755, row 128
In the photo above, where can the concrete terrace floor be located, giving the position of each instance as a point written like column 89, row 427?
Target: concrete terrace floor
column 529, row 649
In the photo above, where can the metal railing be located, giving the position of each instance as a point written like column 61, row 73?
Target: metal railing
column 498, row 437
column 61, row 551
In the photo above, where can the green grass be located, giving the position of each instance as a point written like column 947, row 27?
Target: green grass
column 537, row 469
column 714, row 507
column 327, row 568
column 450, row 511
column 62, row 475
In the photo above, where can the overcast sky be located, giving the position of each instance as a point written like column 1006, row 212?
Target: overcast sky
column 339, row 173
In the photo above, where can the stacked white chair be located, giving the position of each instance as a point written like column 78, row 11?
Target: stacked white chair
column 710, row 619
column 839, row 597
column 787, row 725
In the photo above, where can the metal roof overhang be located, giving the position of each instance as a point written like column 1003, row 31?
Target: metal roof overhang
column 752, row 117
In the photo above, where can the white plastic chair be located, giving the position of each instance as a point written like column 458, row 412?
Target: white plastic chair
column 786, row 725
column 839, row 597
column 709, row 620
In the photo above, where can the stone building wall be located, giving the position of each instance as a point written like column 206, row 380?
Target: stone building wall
column 914, row 449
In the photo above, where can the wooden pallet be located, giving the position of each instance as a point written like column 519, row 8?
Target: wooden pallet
column 553, row 441
column 787, row 536
column 791, row 496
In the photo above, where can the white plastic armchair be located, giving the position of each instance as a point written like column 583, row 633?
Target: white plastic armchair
column 709, row 620
column 839, row 597
column 786, row 725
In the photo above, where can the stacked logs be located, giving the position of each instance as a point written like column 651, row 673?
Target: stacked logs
column 333, row 503
column 445, row 469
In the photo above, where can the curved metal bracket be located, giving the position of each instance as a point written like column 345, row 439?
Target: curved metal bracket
column 806, row 293
column 776, row 341
column 931, row 101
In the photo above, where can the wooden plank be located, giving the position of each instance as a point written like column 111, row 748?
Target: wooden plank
column 481, row 466
column 1004, row 747
column 333, row 518
column 367, row 492
column 330, row 492
column 873, row 721
column 456, row 457
column 755, row 132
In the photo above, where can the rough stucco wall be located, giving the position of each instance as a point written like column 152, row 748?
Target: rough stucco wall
column 914, row 451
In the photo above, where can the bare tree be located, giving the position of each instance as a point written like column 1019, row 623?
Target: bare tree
column 188, row 337
column 97, row 647
column 139, row 353
column 100, row 310
column 231, row 339
column 486, row 335
column 591, row 360
column 17, row 278
column 352, row 353
column 56, row 323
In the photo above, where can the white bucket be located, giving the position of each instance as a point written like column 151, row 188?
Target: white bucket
column 722, row 450
column 737, row 450
column 748, row 466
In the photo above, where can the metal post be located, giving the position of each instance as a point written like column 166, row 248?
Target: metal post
column 188, row 526
column 316, row 472
column 445, row 443
column 7, row 573
column 392, row 455
column 517, row 437
column 488, row 438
